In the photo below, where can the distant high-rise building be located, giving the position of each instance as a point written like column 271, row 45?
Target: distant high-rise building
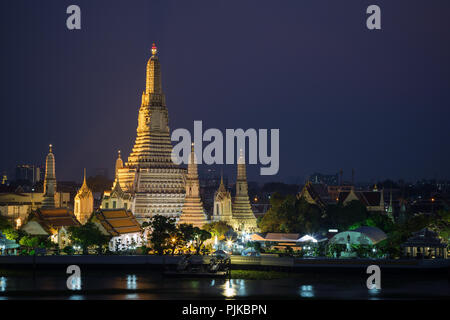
column 27, row 172
column 328, row 179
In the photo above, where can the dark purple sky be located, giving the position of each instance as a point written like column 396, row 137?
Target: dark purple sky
column 341, row 95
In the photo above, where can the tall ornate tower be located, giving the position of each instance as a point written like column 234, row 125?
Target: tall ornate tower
column 222, row 204
column 155, row 182
column 390, row 210
column 243, row 217
column 119, row 163
column 49, row 181
column 84, row 202
column 193, row 212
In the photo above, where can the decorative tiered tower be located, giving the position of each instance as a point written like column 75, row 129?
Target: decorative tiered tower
column 222, row 204
column 49, row 181
column 193, row 212
column 84, row 202
column 150, row 176
column 119, row 164
column 243, row 218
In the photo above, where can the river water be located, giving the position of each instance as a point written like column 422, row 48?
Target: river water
column 152, row 285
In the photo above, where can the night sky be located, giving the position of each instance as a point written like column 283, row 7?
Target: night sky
column 341, row 95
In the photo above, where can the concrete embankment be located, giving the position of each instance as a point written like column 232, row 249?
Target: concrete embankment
column 238, row 262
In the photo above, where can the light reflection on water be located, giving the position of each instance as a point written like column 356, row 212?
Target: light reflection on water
column 131, row 281
column 75, row 283
column 234, row 287
column 307, row 291
column 152, row 285
column 373, row 293
column 2, row 284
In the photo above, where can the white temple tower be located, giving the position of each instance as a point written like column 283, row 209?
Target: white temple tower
column 243, row 218
column 193, row 212
column 49, row 181
column 155, row 182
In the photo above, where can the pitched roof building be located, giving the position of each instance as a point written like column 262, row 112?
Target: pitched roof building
column 425, row 243
column 373, row 200
column 121, row 225
column 116, row 222
column 316, row 194
column 52, row 222
column 222, row 204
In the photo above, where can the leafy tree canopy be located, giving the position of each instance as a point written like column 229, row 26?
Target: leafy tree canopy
column 289, row 214
column 87, row 235
column 219, row 228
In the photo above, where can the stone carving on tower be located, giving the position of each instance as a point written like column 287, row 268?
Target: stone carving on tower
column 155, row 182
column 222, row 204
column 243, row 218
column 84, row 202
column 49, row 181
column 193, row 212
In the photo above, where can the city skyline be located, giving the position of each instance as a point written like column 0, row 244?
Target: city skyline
column 83, row 95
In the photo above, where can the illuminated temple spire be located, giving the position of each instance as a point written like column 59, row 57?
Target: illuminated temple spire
column 49, row 181
column 243, row 217
column 153, row 146
column 149, row 175
column 222, row 204
column 193, row 212
column 119, row 163
column 153, row 84
column 84, row 202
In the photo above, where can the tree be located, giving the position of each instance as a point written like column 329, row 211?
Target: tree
column 12, row 234
column 218, row 228
column 162, row 230
column 189, row 233
column 289, row 214
column 4, row 223
column 344, row 217
column 88, row 235
column 442, row 224
column 381, row 221
column 200, row 236
column 33, row 242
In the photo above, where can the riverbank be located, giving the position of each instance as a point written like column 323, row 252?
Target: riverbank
column 265, row 263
